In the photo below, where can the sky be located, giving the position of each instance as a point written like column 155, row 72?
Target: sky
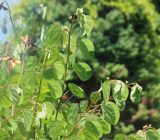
column 5, row 15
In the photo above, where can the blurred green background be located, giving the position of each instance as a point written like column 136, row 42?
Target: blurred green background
column 126, row 36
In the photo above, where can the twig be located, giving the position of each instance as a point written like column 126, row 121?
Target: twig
column 16, row 36
column 83, row 114
column 39, row 91
column 10, row 15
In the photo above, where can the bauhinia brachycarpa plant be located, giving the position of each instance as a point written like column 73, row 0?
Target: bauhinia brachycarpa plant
column 37, row 88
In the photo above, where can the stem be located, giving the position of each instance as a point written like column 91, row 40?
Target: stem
column 16, row 36
column 39, row 91
column 83, row 114
column 10, row 16
column 66, row 66
column 21, row 74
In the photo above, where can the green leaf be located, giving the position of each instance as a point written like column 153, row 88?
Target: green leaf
column 98, row 126
column 88, row 24
column 13, row 125
column 79, row 13
column 119, row 90
column 134, row 137
column 121, row 104
column 135, row 94
column 50, row 109
column 21, row 128
column 106, row 127
column 53, row 56
column 5, row 102
column 83, row 71
column 55, row 88
column 16, row 94
column 54, row 36
column 95, row 97
column 59, row 69
column 49, row 74
column 72, row 113
column 76, row 90
column 152, row 135
column 87, row 48
column 3, row 73
column 106, row 90
column 29, row 73
column 111, row 112
column 56, row 129
column 120, row 137
column 73, row 44
column 27, row 118
column 83, row 105
column 71, row 61
column 90, row 131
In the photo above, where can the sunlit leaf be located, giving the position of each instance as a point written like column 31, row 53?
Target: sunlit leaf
column 95, row 97
column 76, row 90
column 106, row 90
column 83, row 71
column 111, row 112
column 135, row 94
column 86, row 47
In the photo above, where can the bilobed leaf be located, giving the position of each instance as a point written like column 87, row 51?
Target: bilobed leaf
column 135, row 137
column 56, row 129
column 3, row 73
column 29, row 73
column 83, row 105
column 119, row 90
column 59, row 69
column 111, row 112
column 53, row 55
column 135, row 94
column 71, row 112
column 71, row 61
column 22, row 128
column 120, row 137
column 121, row 104
column 16, row 94
column 13, row 125
column 54, row 36
column 49, row 109
column 80, row 15
column 28, row 117
column 106, row 90
column 73, row 44
column 43, row 113
column 76, row 90
column 55, row 88
column 90, row 131
column 83, row 71
column 64, row 40
column 5, row 102
column 98, row 126
column 106, row 127
column 49, row 74
column 88, row 24
column 95, row 97
column 87, row 48
column 152, row 135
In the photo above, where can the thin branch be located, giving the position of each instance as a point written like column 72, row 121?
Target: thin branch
column 16, row 36
column 39, row 91
column 66, row 67
column 83, row 113
column 13, row 25
column 22, row 71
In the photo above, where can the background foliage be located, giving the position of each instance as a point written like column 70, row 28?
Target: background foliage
column 126, row 36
